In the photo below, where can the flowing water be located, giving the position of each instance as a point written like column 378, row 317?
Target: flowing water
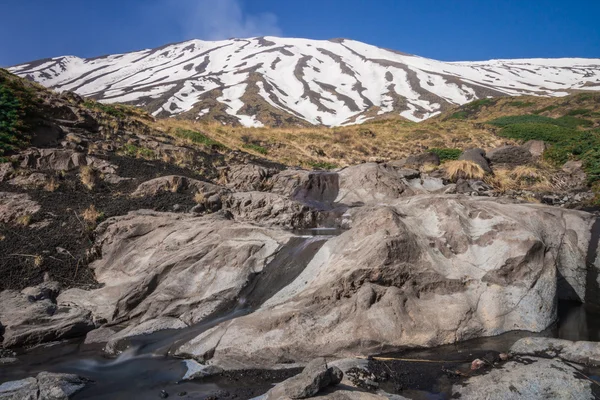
column 146, row 367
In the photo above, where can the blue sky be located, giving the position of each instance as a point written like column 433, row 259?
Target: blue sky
column 441, row 29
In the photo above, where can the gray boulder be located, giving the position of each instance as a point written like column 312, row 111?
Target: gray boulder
column 29, row 319
column 581, row 352
column 312, row 187
column 536, row 148
column 46, row 386
column 270, row 209
column 529, row 378
column 315, row 377
column 14, row 206
column 178, row 184
column 419, row 160
column 373, row 183
column 478, row 157
column 510, row 155
column 249, row 177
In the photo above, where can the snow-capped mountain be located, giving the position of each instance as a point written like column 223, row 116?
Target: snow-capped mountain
column 272, row 81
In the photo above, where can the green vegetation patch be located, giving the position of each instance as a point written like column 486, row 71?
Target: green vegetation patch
column 521, row 104
column 322, row 165
column 256, row 148
column 566, row 121
column 138, row 152
column 115, row 110
column 579, row 111
column 17, row 111
column 566, row 135
column 199, row 138
column 545, row 109
column 470, row 109
column 446, row 154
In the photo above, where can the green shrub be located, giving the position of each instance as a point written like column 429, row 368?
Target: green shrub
column 199, row 138
column 566, row 121
column 522, row 119
column 256, row 148
column 446, row 154
column 322, row 165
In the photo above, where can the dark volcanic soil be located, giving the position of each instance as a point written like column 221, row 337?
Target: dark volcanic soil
column 59, row 237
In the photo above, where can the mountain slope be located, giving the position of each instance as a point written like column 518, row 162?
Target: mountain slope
column 275, row 81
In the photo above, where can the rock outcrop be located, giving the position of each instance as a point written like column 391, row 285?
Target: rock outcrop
column 168, row 271
column 582, row 352
column 373, row 183
column 424, row 271
column 33, row 316
column 478, row 157
column 528, row 378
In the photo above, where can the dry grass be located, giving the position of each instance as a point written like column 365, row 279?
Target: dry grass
column 91, row 215
column 342, row 146
column 24, row 220
column 520, row 178
column 428, row 168
column 88, row 177
column 199, row 198
column 52, row 185
column 463, row 169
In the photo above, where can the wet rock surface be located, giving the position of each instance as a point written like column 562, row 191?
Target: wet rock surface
column 45, row 386
column 528, row 378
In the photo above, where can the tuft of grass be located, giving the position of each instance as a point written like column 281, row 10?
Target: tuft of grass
column 463, row 169
column 51, row 185
column 24, row 220
column 199, row 198
column 446, row 154
column 256, row 148
column 87, row 175
column 92, row 216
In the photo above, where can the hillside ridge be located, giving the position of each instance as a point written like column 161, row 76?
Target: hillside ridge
column 270, row 81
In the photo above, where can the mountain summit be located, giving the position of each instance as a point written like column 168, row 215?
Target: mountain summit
column 277, row 81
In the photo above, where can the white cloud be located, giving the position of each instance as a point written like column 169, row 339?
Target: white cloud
column 222, row 19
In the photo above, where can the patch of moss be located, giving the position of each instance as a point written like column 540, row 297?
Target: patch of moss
column 199, row 138
column 256, row 148
column 446, row 154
